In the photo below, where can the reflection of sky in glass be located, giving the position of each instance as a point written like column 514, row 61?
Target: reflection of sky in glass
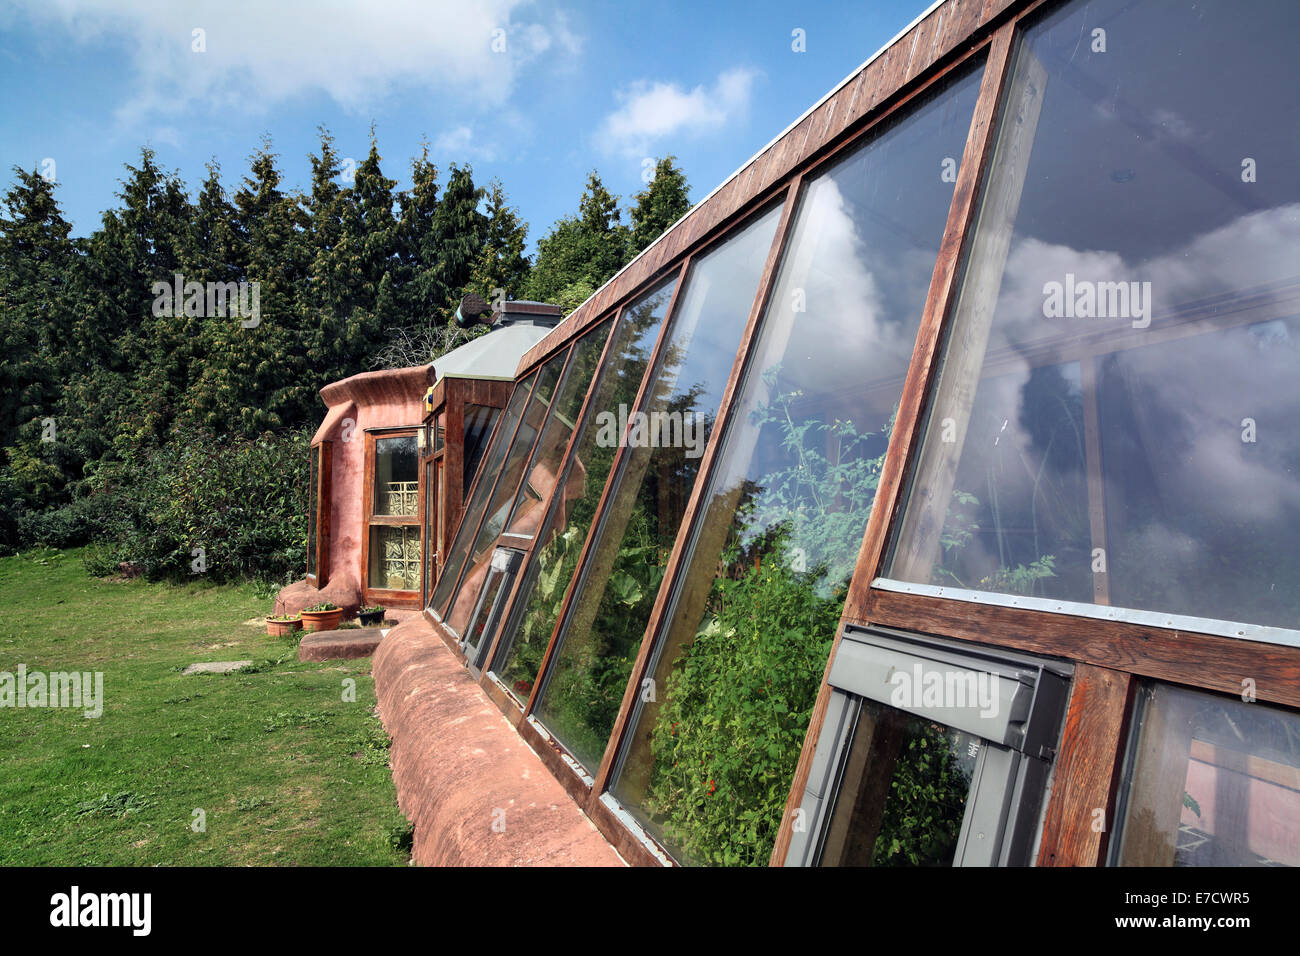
column 1136, row 176
column 1198, row 519
column 864, row 247
column 833, row 346
column 843, row 317
column 701, row 348
column 1180, row 216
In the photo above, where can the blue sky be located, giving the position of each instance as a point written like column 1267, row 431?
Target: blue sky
column 537, row 94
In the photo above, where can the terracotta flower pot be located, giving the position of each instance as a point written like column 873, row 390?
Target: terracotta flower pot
column 321, row 620
column 282, row 628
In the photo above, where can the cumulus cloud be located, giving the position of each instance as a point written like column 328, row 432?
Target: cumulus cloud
column 255, row 54
column 648, row 113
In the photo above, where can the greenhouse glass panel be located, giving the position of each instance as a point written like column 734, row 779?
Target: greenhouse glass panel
column 784, row 515
column 665, row 440
column 479, row 420
column 539, row 477
column 1113, row 420
column 473, row 511
column 570, row 517
column 512, row 468
column 542, row 474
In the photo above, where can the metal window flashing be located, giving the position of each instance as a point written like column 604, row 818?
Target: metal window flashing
column 505, row 563
column 1101, row 612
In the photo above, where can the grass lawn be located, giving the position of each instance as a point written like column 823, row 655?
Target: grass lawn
column 285, row 770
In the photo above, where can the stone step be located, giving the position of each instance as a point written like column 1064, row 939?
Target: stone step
column 332, row 645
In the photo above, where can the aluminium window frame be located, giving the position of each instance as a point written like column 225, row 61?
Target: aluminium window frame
column 505, row 564
column 1001, row 821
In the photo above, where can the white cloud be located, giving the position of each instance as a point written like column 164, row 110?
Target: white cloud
column 461, row 143
column 648, row 112
column 169, row 135
column 259, row 53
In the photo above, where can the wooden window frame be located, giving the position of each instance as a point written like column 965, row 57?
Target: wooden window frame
column 1108, row 654
column 499, row 692
column 584, row 788
column 496, row 479
column 431, row 468
column 430, row 460
column 323, row 451
column 390, row 597
column 448, row 399
column 435, row 614
column 627, row 837
column 505, row 699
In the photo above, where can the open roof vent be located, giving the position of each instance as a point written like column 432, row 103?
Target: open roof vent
column 475, row 309
column 472, row 310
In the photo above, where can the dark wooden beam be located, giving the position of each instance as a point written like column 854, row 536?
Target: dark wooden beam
column 1196, row 660
column 1079, row 814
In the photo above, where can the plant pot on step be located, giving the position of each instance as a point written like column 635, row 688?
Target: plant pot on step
column 322, row 617
column 371, row 616
column 283, row 626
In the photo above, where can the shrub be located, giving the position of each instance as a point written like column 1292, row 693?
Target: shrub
column 243, row 502
column 735, row 712
column 68, row 526
column 101, row 559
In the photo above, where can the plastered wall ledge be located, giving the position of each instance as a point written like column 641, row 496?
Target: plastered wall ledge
column 475, row 792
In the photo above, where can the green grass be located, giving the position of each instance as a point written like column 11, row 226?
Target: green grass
column 285, row 770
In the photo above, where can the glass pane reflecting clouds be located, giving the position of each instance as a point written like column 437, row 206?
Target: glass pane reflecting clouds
column 1114, row 419
column 589, row 674
column 788, row 503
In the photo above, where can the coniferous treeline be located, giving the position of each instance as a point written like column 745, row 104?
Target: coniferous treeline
column 99, row 372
